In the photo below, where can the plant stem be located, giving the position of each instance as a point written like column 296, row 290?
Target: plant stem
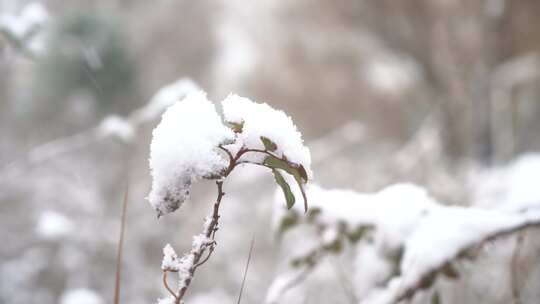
column 197, row 253
column 197, row 256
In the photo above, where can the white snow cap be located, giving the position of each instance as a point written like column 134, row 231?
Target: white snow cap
column 185, row 144
column 184, row 149
column 260, row 120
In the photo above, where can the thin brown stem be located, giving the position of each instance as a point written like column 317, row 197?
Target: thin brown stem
column 252, row 163
column 227, row 152
column 209, row 232
column 120, row 248
column 246, row 269
column 166, row 284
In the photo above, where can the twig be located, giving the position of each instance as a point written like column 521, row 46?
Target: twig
column 166, row 284
column 120, row 249
column 231, row 158
column 246, row 269
column 210, row 251
column 197, row 253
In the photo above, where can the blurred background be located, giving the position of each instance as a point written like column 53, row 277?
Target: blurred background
column 443, row 93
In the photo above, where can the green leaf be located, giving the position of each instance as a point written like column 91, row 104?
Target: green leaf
column 294, row 170
column 268, row 144
column 289, row 196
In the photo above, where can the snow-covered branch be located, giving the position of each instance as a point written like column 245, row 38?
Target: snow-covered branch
column 191, row 143
column 401, row 228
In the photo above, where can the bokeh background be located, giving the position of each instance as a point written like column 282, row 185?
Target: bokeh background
column 442, row 93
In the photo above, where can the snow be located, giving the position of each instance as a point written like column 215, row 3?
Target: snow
column 53, row 225
column 259, row 119
column 512, row 187
column 184, row 150
column 184, row 265
column 200, row 240
column 396, row 208
column 443, row 233
column 117, row 126
column 370, row 271
column 281, row 284
column 170, row 259
column 184, row 269
column 405, row 217
column 329, row 236
column 81, row 296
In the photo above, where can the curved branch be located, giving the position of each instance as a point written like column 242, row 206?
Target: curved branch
column 167, row 285
column 231, row 158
